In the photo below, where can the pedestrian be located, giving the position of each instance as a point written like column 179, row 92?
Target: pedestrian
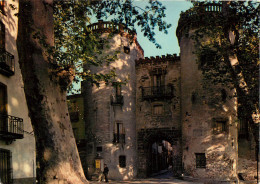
column 105, row 172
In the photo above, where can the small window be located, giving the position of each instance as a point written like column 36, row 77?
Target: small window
column 122, row 161
column 5, row 166
column 118, row 90
column 157, row 110
column 200, row 160
column 3, row 107
column 119, row 134
column 219, row 127
column 99, row 149
column 193, row 97
column 223, row 95
column 126, row 49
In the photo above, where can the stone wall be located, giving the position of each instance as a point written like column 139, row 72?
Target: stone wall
column 209, row 122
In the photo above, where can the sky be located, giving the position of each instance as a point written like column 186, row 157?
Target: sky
column 168, row 41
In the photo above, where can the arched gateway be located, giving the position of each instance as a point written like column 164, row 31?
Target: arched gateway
column 150, row 162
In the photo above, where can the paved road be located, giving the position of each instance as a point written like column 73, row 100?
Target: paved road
column 165, row 178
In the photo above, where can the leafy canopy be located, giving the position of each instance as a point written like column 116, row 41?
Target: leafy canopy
column 76, row 44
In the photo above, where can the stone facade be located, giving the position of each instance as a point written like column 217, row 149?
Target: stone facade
column 17, row 143
column 158, row 109
column 110, row 110
column 166, row 101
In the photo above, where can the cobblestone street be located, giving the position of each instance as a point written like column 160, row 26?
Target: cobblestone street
column 165, row 178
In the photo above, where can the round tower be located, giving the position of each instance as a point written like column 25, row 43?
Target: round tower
column 208, row 111
column 110, row 109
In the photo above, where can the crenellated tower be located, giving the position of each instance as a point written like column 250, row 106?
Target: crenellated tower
column 208, row 111
column 110, row 109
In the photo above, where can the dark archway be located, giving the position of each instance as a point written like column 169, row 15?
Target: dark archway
column 146, row 138
column 159, row 156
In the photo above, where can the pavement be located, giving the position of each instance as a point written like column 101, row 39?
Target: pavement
column 165, row 177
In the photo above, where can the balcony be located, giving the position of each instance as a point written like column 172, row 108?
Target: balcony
column 6, row 63
column 119, row 138
column 157, row 92
column 11, row 127
column 117, row 100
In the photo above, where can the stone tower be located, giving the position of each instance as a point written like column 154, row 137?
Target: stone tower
column 208, row 112
column 110, row 109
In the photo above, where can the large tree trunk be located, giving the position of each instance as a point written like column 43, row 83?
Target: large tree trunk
column 57, row 156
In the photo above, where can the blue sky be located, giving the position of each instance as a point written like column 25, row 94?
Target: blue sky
column 168, row 41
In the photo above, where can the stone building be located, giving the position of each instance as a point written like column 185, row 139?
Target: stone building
column 110, row 109
column 17, row 144
column 166, row 114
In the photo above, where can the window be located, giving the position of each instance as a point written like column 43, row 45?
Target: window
column 126, row 49
column 193, row 97
column 158, row 109
column 3, row 107
column 2, row 35
column 122, row 161
column 223, row 95
column 157, row 80
column 219, row 127
column 5, row 166
column 200, row 160
column 99, row 149
column 119, row 134
column 118, row 90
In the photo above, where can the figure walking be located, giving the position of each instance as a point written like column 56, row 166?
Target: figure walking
column 105, row 172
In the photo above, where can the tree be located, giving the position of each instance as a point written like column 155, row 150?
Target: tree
column 230, row 53
column 48, row 60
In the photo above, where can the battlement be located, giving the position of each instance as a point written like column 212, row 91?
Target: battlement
column 158, row 59
column 196, row 16
column 108, row 27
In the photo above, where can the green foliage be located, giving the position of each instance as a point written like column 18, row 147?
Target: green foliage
column 77, row 45
column 230, row 32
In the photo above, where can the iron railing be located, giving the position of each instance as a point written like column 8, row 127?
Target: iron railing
column 11, row 127
column 157, row 92
column 6, row 63
column 117, row 100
